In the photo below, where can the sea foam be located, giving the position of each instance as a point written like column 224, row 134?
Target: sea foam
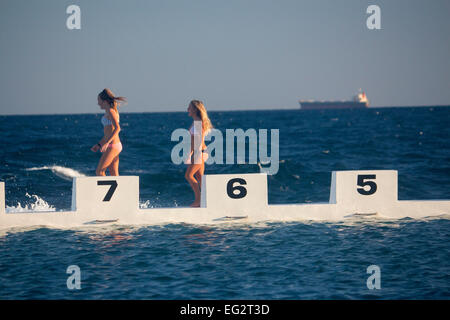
column 62, row 172
column 38, row 205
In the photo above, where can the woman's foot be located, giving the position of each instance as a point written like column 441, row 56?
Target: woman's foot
column 195, row 204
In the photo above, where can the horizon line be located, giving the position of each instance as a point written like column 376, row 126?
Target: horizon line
column 220, row 110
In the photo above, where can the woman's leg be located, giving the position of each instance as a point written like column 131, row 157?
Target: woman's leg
column 114, row 167
column 106, row 160
column 190, row 172
column 200, row 172
column 198, row 176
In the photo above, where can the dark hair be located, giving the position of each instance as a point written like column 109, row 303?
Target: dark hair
column 108, row 96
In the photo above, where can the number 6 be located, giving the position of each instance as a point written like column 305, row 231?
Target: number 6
column 242, row 191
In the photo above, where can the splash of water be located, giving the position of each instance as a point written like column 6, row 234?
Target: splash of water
column 150, row 205
column 39, row 204
column 62, row 172
column 145, row 205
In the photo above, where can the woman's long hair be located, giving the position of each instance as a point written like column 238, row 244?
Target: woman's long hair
column 203, row 115
column 108, row 96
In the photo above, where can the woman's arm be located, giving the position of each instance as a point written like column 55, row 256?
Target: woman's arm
column 98, row 145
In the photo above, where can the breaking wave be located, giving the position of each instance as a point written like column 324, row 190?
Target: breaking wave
column 39, row 204
column 62, row 172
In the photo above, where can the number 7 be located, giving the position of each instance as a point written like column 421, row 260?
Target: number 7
column 112, row 183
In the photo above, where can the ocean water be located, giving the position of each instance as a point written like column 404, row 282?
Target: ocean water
column 303, row 260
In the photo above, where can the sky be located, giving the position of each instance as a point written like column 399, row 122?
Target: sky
column 233, row 54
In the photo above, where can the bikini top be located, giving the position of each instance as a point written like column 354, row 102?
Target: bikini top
column 193, row 130
column 106, row 121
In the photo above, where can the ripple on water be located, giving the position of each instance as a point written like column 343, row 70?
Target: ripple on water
column 262, row 261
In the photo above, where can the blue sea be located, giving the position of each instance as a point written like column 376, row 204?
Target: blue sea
column 40, row 155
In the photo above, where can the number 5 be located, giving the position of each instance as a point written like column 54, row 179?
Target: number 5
column 362, row 183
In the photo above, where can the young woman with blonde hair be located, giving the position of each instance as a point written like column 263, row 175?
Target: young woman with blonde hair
column 110, row 144
column 199, row 129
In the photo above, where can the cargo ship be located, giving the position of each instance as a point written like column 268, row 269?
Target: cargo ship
column 359, row 101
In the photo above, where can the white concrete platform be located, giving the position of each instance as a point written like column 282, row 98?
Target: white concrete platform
column 99, row 201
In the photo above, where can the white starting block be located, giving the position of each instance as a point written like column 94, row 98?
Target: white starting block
column 227, row 197
column 364, row 192
column 105, row 197
column 240, row 192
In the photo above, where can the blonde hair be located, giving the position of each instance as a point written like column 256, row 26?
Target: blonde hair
column 108, row 96
column 202, row 114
